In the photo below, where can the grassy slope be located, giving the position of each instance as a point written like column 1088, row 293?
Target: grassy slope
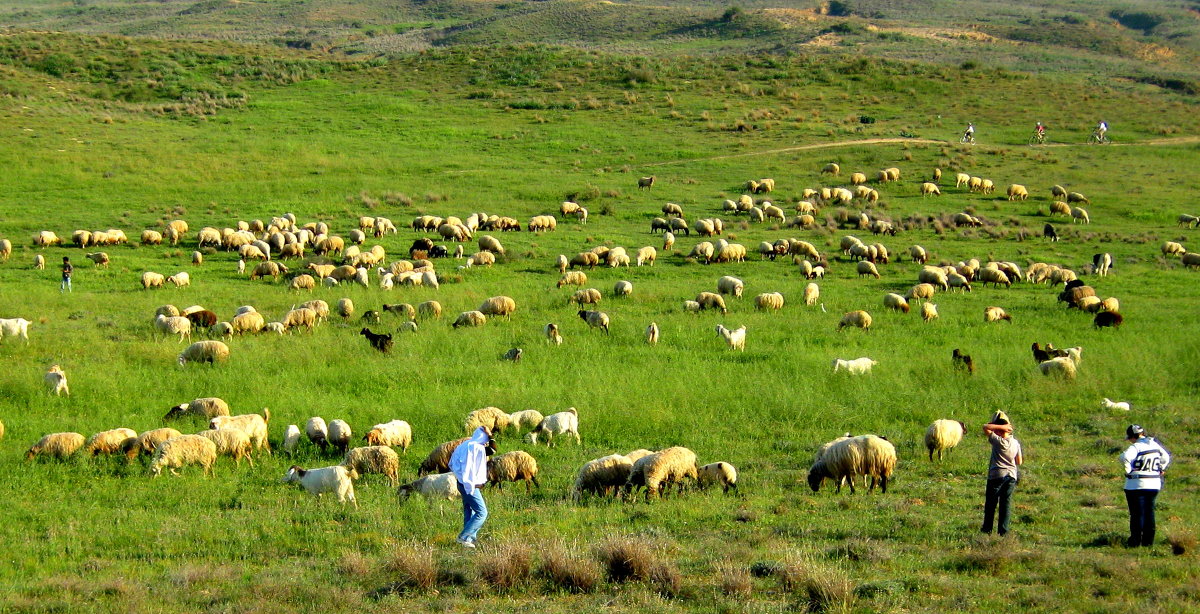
column 442, row 129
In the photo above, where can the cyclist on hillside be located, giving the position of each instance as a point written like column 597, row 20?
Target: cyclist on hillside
column 1039, row 134
column 969, row 134
column 1100, row 130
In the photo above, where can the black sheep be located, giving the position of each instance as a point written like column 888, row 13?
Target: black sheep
column 963, row 361
column 1108, row 318
column 423, row 244
column 383, row 343
column 1049, row 232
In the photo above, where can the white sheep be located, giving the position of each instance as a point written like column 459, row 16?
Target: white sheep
column 339, row 435
column 184, row 450
column 622, row 288
column 18, row 327
column 291, row 439
column 254, row 425
column 735, row 339
column 652, row 333
column 552, row 334
column 56, row 381
column 1121, row 405
column 943, row 435
column 336, row 479
column 176, row 325
column 772, row 301
column 317, row 432
column 858, row 319
column 394, row 433
column 720, row 473
column 204, row 351
column 561, row 423
column 858, row 366
column 525, row 420
column 180, row 279
column 602, row 476
column 381, row 460
column 929, row 311
column 865, row 455
column 436, row 486
column 1060, row 366
column 812, row 293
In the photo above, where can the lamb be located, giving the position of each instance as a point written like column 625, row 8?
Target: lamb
column 56, row 381
column 492, row 418
column 866, row 455
column 151, row 279
column 1108, row 319
column 180, row 279
column 470, row 319
column 438, row 486
column 895, row 302
column 709, row 300
column 812, row 293
column 1049, row 232
column 108, row 442
column 562, row 423
column 963, row 361
column 147, row 443
column 525, row 420
column 230, row 442
column 943, row 435
column 1188, row 220
column 658, row 471
column 515, row 466
column 730, row 285
column 1079, row 214
column 383, row 342
column 929, row 311
column 602, row 476
column 1107, row 404
column 291, row 439
column 595, row 319
column 735, row 339
column 222, row 329
column 57, row 445
column 438, row 460
column 498, row 306
column 336, row 479
column 720, row 473
column 10, row 327
column 254, row 425
column 1060, row 366
column 317, row 432
column 378, row 459
column 339, row 435
column 184, row 450
column 393, row 433
column 858, row 319
column 858, row 366
column 995, row 314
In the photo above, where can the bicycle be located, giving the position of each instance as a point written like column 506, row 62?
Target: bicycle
column 1038, row 138
column 1098, row 139
column 967, row 138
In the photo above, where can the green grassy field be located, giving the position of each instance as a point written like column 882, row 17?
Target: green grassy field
column 118, row 138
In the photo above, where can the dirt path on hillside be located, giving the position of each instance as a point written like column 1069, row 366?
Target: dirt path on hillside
column 1182, row 140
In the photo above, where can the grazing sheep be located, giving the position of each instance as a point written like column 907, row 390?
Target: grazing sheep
column 831, row 169
column 222, row 329
column 602, row 476
column 429, row 309
column 995, row 277
column 498, row 306
column 1058, row 207
column 180, row 279
column 995, row 314
column 1108, row 319
column 692, row 307
column 291, row 439
column 918, row 254
column 1121, row 405
column 1049, row 232
column 317, row 432
column 438, row 486
column 374, row 459
column 622, row 288
column 254, row 425
column 339, row 435
column 552, row 334
column 812, row 293
column 525, row 420
column 184, row 450
column 866, row 267
column 56, row 381
column 513, row 354
column 151, row 279
column 572, row 278
column 709, row 300
column 470, row 319
column 108, row 442
column 858, row 319
column 1076, row 197
column 438, row 460
column 865, row 455
column 515, row 466
column 943, row 435
column 929, row 312
column 1190, row 260
column 930, row 189
column 858, row 366
column 301, row 316
column 963, row 361
column 562, row 423
column 197, row 258
column 18, row 327
column 205, row 407
column 1062, row 367
column 147, row 443
column 383, row 342
column 769, row 301
column 595, row 319
column 717, row 473
column 646, row 182
column 492, row 418
column 652, row 334
column 895, row 302
column 5, row 250
column 99, row 258
column 658, row 471
column 230, row 442
column 57, row 445
column 730, row 285
column 1080, row 214
column 174, row 326
column 1171, row 248
column 393, row 433
column 735, row 339
column 336, row 479
column 202, row 318
column 1017, row 191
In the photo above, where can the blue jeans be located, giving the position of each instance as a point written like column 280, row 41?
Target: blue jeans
column 1141, row 517
column 65, row 285
column 474, row 513
column 999, row 494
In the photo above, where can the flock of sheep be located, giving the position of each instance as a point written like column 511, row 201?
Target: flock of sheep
column 283, row 239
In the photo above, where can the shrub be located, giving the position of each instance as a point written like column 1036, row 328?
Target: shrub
column 505, row 567
column 413, row 567
column 821, row 588
column 735, row 581
column 625, row 559
column 568, row 571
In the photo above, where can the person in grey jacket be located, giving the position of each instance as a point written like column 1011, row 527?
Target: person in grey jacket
column 1145, row 462
column 1002, row 472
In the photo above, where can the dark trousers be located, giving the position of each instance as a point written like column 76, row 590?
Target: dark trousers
column 999, row 494
column 1141, row 517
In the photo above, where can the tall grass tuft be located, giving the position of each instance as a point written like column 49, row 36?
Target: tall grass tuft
column 568, row 571
column 819, row 587
column 412, row 567
column 506, row 566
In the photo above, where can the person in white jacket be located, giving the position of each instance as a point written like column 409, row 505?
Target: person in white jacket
column 1145, row 463
column 469, row 465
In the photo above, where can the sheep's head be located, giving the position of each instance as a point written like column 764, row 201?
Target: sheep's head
column 816, row 475
column 294, row 474
column 176, row 411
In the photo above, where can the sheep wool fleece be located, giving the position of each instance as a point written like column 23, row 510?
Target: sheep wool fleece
column 469, row 464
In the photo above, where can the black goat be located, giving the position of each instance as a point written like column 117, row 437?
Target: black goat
column 383, row 343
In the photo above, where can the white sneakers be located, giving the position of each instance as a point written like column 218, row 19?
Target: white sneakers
column 466, row 543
